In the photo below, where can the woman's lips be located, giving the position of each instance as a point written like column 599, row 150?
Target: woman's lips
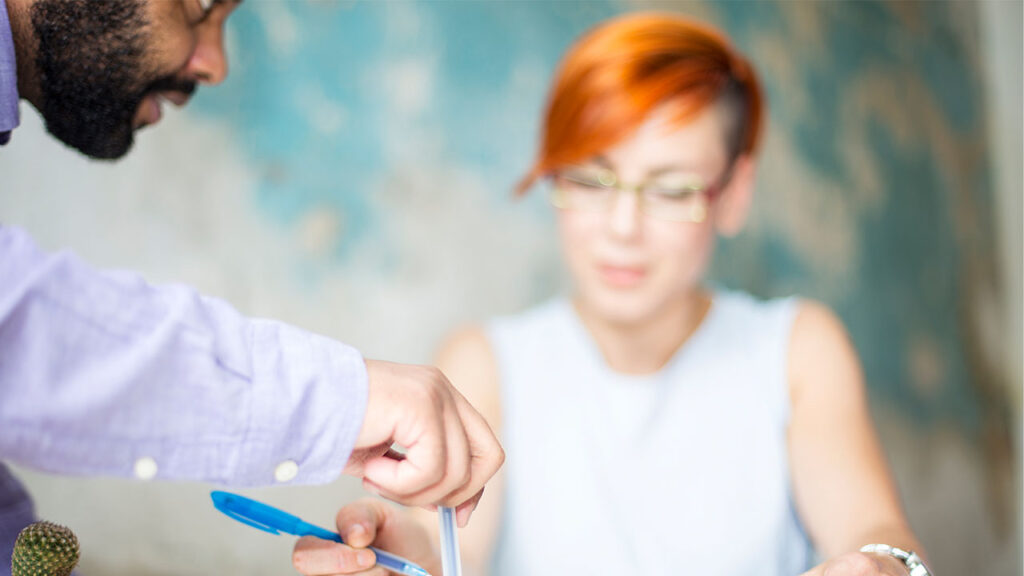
column 621, row 276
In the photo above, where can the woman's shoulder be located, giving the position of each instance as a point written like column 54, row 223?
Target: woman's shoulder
column 799, row 322
column 818, row 333
column 468, row 360
column 468, row 340
column 480, row 340
column 803, row 313
column 748, row 309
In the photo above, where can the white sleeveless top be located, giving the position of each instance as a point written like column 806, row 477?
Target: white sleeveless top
column 680, row 472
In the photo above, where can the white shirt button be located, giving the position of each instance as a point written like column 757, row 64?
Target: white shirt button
column 286, row 471
column 145, row 468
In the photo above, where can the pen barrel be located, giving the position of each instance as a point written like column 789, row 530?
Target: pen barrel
column 307, row 529
column 396, row 564
column 388, row 560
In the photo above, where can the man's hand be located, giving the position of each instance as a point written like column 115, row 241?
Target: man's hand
column 361, row 524
column 860, row 564
column 450, row 451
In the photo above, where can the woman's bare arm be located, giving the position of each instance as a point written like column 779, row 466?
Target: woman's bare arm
column 844, row 492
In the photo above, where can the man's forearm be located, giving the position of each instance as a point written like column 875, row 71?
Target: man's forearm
column 100, row 371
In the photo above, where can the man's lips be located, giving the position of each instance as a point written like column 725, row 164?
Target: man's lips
column 174, row 97
column 149, row 112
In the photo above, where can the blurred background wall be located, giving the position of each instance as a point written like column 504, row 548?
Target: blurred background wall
column 353, row 177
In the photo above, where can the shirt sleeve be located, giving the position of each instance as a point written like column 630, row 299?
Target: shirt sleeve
column 102, row 373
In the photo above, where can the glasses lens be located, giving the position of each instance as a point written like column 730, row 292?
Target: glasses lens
column 674, row 202
column 594, row 189
column 584, row 189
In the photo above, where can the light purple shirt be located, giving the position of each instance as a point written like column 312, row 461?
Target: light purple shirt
column 99, row 370
column 8, row 78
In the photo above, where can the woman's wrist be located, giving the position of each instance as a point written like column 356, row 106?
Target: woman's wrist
column 891, row 563
column 908, row 559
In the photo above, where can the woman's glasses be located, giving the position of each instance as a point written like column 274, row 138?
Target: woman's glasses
column 595, row 189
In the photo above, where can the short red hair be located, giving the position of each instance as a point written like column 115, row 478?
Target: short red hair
column 620, row 71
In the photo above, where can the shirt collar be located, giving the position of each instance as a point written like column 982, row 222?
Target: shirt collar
column 9, row 118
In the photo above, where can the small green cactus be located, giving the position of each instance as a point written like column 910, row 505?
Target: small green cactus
column 45, row 549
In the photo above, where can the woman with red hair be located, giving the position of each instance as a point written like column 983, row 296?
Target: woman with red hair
column 654, row 424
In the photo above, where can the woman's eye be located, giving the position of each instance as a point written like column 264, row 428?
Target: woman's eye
column 592, row 184
column 588, row 182
column 672, row 192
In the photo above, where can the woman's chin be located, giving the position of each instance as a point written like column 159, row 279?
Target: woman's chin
column 626, row 309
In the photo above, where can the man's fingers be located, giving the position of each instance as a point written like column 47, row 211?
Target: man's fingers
column 456, row 474
column 486, row 457
column 473, row 457
column 450, row 451
column 457, row 469
column 465, row 510
column 359, row 457
column 437, row 455
column 402, row 480
column 422, row 431
column 315, row 557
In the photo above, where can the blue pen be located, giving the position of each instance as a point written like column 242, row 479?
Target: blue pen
column 270, row 519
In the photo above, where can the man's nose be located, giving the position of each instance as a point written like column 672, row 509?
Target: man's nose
column 209, row 63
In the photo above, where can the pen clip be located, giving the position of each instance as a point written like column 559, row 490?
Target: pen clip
column 226, row 509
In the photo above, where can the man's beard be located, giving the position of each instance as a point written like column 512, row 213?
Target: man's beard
column 92, row 72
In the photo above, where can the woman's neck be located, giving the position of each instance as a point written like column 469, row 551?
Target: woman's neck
column 645, row 346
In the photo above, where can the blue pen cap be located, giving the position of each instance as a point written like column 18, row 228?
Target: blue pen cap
column 255, row 514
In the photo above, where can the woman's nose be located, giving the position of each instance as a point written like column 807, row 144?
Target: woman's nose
column 624, row 216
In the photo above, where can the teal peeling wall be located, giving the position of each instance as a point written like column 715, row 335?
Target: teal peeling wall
column 352, row 176
column 310, row 118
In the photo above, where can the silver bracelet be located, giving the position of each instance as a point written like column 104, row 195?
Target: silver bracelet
column 911, row 560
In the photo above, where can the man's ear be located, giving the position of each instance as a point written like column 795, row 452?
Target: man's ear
column 733, row 203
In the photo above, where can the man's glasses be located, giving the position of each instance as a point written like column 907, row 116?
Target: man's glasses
column 595, row 189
